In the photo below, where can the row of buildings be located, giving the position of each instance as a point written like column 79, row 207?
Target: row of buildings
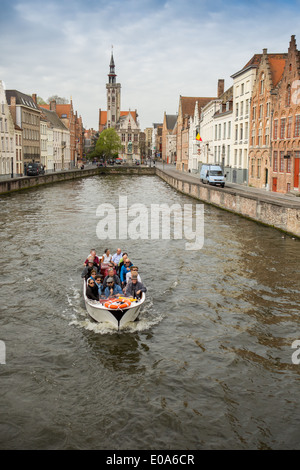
column 252, row 129
column 48, row 134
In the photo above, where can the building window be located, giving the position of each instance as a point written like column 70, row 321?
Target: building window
column 281, row 163
column 252, row 167
column 261, row 111
column 282, row 128
column 123, row 137
column 229, row 129
column 288, row 165
column 276, row 129
column 247, row 107
column 262, row 84
column 267, row 136
column 297, row 125
column 259, row 137
column 253, row 137
column 258, row 167
column 289, row 128
column 275, row 161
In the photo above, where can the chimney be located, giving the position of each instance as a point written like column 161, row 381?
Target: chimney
column 265, row 51
column 12, row 107
column 53, row 106
column 34, row 98
column 220, row 87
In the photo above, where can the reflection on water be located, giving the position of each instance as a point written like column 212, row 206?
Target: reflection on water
column 207, row 366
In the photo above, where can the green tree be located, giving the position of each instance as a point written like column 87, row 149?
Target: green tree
column 58, row 99
column 108, row 144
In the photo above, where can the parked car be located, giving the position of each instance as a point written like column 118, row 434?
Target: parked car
column 35, row 169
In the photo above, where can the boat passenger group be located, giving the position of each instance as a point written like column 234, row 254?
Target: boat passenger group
column 111, row 275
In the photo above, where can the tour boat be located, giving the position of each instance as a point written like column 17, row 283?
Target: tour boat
column 118, row 311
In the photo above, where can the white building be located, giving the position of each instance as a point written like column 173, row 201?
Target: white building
column 222, row 144
column 243, row 82
column 58, row 142
column 207, row 132
column 194, row 144
column 7, row 137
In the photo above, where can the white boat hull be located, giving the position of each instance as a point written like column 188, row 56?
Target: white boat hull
column 117, row 317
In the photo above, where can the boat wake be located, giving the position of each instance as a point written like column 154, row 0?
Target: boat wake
column 77, row 315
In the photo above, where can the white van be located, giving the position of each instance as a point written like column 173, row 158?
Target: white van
column 212, row 174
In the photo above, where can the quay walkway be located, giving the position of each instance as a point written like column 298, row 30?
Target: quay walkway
column 281, row 211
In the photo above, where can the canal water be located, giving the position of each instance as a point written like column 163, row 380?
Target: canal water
column 210, row 363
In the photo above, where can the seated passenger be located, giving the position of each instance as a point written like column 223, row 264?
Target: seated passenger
column 134, row 288
column 90, row 290
column 122, row 261
column 106, row 257
column 124, row 270
column 133, row 269
column 112, row 288
column 93, row 255
column 116, row 257
column 109, row 267
column 86, row 273
column 111, row 273
column 98, row 284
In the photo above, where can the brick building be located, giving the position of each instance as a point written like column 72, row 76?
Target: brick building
column 269, row 74
column 70, row 119
column 186, row 110
column 285, row 165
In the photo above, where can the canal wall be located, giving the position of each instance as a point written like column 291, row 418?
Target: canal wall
column 266, row 209
column 16, row 184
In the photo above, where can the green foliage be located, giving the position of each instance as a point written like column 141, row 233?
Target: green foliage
column 109, row 144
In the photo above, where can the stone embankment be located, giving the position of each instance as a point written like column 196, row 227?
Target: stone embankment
column 275, row 210
column 26, row 182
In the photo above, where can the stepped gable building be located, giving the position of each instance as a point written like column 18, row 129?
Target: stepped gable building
column 124, row 122
column 169, row 123
column 186, row 110
column 285, row 141
column 26, row 115
column 269, row 75
column 58, row 141
column 71, row 120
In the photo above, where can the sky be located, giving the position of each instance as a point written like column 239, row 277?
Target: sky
column 162, row 49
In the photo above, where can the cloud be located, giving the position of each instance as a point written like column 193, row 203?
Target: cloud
column 161, row 49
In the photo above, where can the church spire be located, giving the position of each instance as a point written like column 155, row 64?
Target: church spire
column 112, row 75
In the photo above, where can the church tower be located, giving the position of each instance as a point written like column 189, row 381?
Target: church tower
column 113, row 90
